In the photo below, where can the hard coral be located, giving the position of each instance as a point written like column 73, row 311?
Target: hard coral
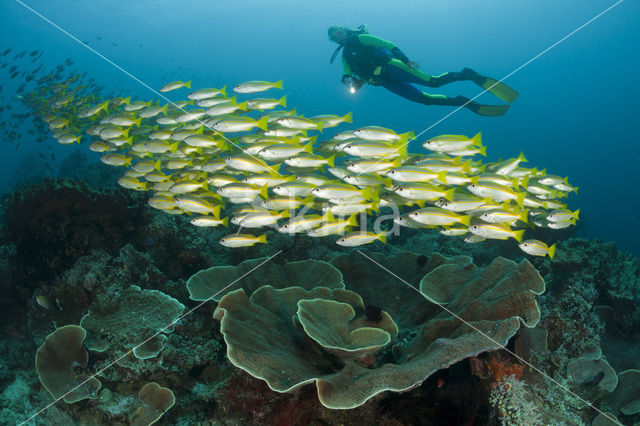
column 262, row 339
column 57, row 362
column 130, row 318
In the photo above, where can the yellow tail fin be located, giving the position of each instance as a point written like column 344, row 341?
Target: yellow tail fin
column 264, row 191
column 477, row 139
column 518, row 235
column 262, row 239
column 552, row 251
column 262, row 123
column 278, row 84
column 382, row 237
column 348, row 118
column 331, row 160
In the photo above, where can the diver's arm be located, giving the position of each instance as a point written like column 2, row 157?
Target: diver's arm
column 369, row 40
column 346, row 70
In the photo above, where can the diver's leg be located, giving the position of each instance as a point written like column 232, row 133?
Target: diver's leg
column 495, row 87
column 411, row 93
column 396, row 70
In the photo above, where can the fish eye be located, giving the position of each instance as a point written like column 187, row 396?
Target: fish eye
column 475, row 226
column 473, row 185
column 525, row 244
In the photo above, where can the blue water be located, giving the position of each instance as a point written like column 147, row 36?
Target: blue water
column 575, row 114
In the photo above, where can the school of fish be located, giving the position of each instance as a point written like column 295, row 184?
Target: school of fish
column 252, row 163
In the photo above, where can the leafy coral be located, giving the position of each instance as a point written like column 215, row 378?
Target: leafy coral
column 57, row 361
column 262, row 339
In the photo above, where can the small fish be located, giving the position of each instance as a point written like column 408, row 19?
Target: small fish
column 438, row 216
column 238, row 124
column 265, row 103
column 446, row 143
column 562, row 215
column 242, row 240
column 496, row 231
column 43, row 301
column 537, row 248
column 209, row 221
column 175, row 85
column 256, row 86
column 115, row 160
column 359, row 238
column 207, row 93
column 196, row 204
column 381, row 134
column 132, row 183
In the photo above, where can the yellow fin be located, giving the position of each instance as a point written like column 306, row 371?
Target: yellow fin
column 262, row 123
column 264, row 191
column 382, row 237
column 477, row 139
column 552, row 251
column 348, row 118
column 262, row 239
column 518, row 235
column 331, row 160
column 278, row 84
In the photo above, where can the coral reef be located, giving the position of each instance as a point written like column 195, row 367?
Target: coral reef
column 587, row 283
column 128, row 317
column 262, row 340
column 58, row 361
column 513, row 403
column 156, row 401
column 212, row 283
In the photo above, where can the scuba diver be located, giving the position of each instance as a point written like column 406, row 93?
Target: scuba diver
column 369, row 59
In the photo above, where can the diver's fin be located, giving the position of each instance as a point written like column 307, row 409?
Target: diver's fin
column 499, row 89
column 488, row 110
